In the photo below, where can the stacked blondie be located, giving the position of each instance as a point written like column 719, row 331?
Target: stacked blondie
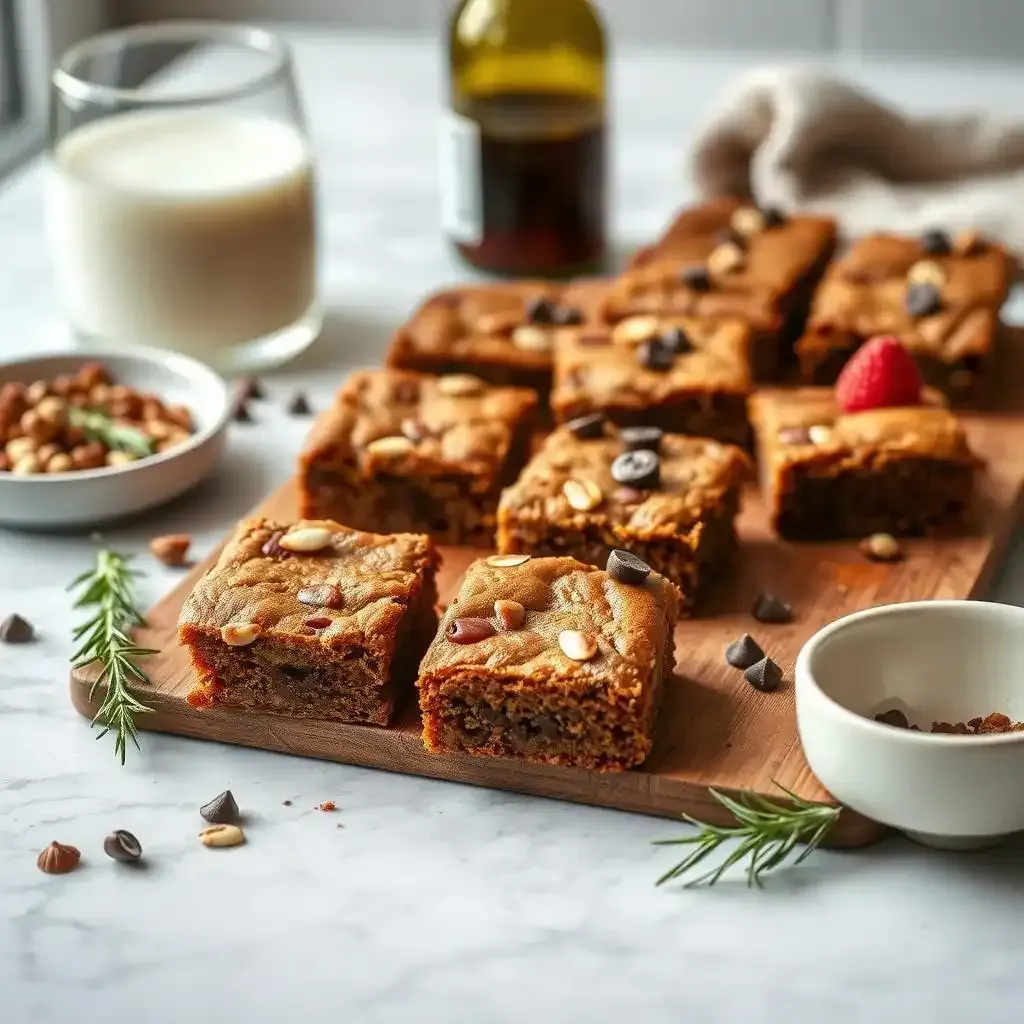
column 593, row 441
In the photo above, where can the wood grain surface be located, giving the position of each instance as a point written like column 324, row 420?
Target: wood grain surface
column 714, row 729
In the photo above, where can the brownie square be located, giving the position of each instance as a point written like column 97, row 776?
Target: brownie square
column 941, row 297
column 680, row 520
column 827, row 474
column 404, row 452
column 549, row 660
column 311, row 620
column 502, row 333
column 726, row 258
column 684, row 375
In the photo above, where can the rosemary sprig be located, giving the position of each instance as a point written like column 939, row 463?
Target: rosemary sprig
column 767, row 832
column 108, row 589
column 98, row 426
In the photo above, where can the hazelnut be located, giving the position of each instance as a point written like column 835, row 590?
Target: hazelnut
column 58, row 859
column 36, row 391
column 5, row 462
column 92, row 374
column 45, row 452
column 180, row 416
column 18, row 447
column 26, row 465
column 125, row 408
column 158, row 430
column 88, row 456
column 152, row 408
column 12, row 391
column 99, row 395
column 119, row 458
column 63, row 385
column 36, row 427
column 171, row 549
column 60, row 463
column 52, row 409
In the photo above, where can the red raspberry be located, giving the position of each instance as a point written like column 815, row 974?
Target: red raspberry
column 880, row 374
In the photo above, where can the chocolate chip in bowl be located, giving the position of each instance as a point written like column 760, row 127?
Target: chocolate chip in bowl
column 906, row 713
column 94, row 437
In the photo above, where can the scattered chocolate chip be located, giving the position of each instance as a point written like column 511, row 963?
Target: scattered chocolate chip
column 936, row 242
column 625, row 567
column 675, row 340
column 589, row 426
column 252, row 389
column 540, row 311
column 16, row 630
column 696, row 277
column 764, row 675
column 629, row 495
column 321, row 595
column 221, row 810
column 770, row 608
column 794, row 435
column 894, row 717
column 640, row 468
column 653, row 355
column 922, row 298
column 122, row 846
column 773, row 217
column 299, row 405
column 567, row 316
column 240, row 410
column 744, row 652
column 641, row 437
column 881, row 547
column 272, row 546
column 286, row 803
column 469, row 630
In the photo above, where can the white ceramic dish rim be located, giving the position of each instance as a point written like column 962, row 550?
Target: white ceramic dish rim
column 184, row 366
column 808, row 651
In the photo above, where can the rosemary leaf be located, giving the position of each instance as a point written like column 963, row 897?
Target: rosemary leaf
column 108, row 590
column 767, row 834
column 98, row 426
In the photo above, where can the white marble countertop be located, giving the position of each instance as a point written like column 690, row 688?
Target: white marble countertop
column 424, row 901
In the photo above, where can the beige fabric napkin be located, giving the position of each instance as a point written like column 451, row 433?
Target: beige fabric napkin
column 806, row 140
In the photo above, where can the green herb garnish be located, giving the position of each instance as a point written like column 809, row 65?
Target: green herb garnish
column 98, row 426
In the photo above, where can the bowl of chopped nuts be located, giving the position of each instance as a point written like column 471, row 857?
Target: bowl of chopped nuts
column 913, row 715
column 92, row 437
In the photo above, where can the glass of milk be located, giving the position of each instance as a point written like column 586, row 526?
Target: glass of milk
column 180, row 194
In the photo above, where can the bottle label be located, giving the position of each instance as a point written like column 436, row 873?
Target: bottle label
column 461, row 200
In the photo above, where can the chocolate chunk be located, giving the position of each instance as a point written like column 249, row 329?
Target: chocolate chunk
column 625, row 567
column 16, row 630
column 654, row 355
column 696, row 277
column 122, row 846
column 936, row 242
column 492, row 716
column 540, row 311
column 547, row 727
column 640, row 468
column 252, row 388
column 894, row 717
column 773, row 217
column 221, row 810
column 299, row 405
column 764, row 675
column 567, row 316
column 321, row 595
column 744, row 652
column 676, row 341
column 769, row 608
column 240, row 409
column 641, row 437
column 272, row 547
column 794, row 435
column 588, row 427
column 922, row 299
column 470, row 630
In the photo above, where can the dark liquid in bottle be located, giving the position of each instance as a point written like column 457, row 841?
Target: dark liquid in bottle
column 542, row 164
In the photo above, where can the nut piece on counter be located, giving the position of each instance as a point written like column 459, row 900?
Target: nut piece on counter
column 58, row 859
column 881, row 547
column 222, row 835
column 171, row 549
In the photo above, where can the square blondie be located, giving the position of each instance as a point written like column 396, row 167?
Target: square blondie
column 829, row 474
column 684, row 375
column 406, row 452
column 728, row 258
column 939, row 296
column 670, row 500
column 552, row 661
column 311, row 620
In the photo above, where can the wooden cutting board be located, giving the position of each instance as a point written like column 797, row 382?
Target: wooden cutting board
column 714, row 729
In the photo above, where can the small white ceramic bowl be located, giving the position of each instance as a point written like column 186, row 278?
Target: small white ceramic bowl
column 88, row 497
column 946, row 661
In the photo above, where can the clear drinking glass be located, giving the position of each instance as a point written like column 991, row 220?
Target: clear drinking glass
column 180, row 194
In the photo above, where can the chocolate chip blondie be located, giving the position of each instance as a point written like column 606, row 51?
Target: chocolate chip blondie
column 670, row 500
column 684, row 375
column 939, row 295
column 311, row 620
column 728, row 258
column 501, row 333
column 826, row 474
column 552, row 661
column 405, row 452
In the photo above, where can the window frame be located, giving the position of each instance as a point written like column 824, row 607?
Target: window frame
column 28, row 48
